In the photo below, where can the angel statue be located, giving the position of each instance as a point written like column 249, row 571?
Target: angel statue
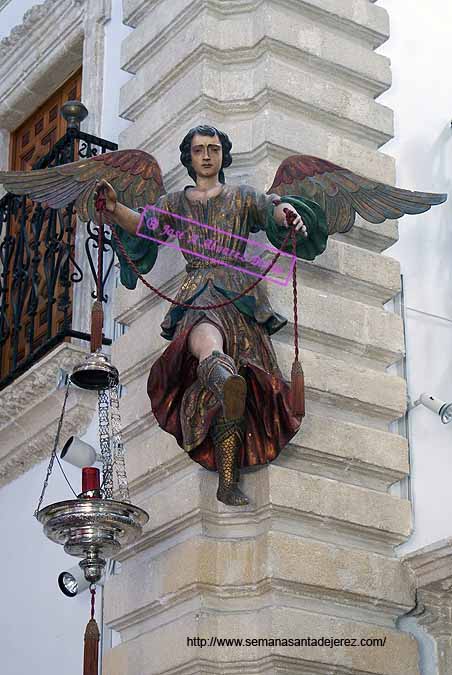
column 217, row 387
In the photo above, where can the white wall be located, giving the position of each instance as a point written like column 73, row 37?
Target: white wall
column 41, row 631
column 111, row 123
column 420, row 49
column 114, row 77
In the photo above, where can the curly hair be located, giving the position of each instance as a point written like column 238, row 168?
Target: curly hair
column 205, row 130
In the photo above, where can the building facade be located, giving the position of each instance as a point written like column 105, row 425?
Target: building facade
column 338, row 541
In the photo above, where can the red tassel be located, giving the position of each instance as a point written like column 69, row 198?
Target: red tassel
column 91, row 653
column 297, row 390
column 92, row 636
column 97, row 324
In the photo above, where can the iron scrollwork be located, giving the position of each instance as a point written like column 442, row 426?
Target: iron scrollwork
column 38, row 266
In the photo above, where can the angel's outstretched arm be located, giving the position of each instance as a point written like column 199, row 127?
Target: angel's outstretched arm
column 127, row 219
column 140, row 247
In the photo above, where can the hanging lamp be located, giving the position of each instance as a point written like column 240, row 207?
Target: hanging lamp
column 95, row 525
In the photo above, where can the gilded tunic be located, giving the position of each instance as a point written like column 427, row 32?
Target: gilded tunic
column 180, row 404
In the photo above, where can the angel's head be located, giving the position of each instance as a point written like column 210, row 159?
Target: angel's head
column 205, row 151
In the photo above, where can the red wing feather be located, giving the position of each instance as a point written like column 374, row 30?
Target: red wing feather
column 342, row 193
column 134, row 174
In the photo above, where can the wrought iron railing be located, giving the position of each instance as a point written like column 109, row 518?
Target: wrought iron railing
column 38, row 266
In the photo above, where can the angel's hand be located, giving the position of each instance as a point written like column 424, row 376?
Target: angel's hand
column 290, row 217
column 109, row 192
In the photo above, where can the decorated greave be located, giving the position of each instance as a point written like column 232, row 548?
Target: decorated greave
column 227, row 436
column 218, row 373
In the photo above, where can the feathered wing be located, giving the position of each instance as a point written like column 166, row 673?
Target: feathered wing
column 134, row 174
column 342, row 194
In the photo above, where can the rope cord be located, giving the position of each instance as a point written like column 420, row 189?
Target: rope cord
column 290, row 217
column 188, row 305
column 295, row 300
column 100, row 243
column 92, row 589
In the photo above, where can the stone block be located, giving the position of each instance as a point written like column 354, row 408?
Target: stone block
column 166, row 647
column 323, row 446
column 346, row 451
column 250, row 569
column 340, row 323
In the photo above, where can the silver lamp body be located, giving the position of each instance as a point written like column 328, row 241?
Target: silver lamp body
column 92, row 529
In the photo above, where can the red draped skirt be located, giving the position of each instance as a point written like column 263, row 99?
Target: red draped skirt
column 185, row 409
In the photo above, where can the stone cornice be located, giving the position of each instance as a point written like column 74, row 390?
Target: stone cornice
column 436, row 618
column 304, row 453
column 341, row 17
column 272, row 511
column 274, row 663
column 350, row 387
column 21, row 31
column 30, row 409
column 297, row 521
column 43, row 51
column 373, row 29
column 31, row 387
column 36, row 59
column 31, row 24
column 298, row 101
column 434, row 613
column 432, row 566
column 303, row 597
column 33, row 18
column 254, row 578
column 295, row 53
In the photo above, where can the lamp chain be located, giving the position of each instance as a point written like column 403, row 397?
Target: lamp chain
column 104, row 442
column 54, row 450
column 117, row 445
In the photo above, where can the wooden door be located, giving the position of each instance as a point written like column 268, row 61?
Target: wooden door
column 36, row 136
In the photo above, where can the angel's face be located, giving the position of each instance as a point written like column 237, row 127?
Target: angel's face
column 206, row 155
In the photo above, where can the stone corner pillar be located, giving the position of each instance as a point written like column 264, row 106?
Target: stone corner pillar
column 305, row 579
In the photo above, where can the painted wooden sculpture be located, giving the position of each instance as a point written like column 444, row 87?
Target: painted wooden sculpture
column 217, row 387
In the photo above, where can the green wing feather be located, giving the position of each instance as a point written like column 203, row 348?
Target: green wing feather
column 342, row 194
column 134, row 174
